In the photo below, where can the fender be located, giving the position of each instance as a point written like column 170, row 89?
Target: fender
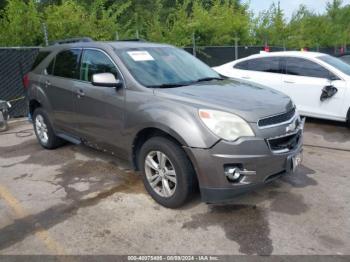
column 173, row 119
column 37, row 93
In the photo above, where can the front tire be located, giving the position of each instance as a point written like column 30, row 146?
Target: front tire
column 167, row 173
column 44, row 131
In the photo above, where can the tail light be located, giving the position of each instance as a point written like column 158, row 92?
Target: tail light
column 26, row 81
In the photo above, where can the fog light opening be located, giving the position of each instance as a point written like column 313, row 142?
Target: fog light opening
column 233, row 174
column 236, row 173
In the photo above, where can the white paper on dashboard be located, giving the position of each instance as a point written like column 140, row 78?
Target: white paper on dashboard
column 140, row 56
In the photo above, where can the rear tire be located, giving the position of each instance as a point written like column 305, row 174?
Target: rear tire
column 164, row 164
column 44, row 131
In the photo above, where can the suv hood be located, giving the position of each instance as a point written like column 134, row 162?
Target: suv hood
column 249, row 101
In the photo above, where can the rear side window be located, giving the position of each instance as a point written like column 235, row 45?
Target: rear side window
column 242, row 65
column 266, row 64
column 39, row 58
column 95, row 62
column 67, row 63
column 302, row 67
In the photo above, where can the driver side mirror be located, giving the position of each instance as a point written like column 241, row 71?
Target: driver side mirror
column 106, row 80
column 328, row 92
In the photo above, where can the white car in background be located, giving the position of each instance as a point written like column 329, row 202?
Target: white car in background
column 318, row 84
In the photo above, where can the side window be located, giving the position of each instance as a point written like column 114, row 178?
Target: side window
column 266, row 64
column 302, row 67
column 95, row 62
column 242, row 65
column 66, row 64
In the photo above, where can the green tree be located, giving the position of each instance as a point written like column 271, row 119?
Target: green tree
column 338, row 22
column 67, row 20
column 140, row 17
column 212, row 22
column 103, row 21
column 217, row 24
column 299, row 28
column 74, row 20
column 2, row 4
column 20, row 24
column 270, row 26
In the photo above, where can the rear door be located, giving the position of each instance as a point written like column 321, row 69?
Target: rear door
column 304, row 81
column 265, row 71
column 59, row 84
column 100, row 110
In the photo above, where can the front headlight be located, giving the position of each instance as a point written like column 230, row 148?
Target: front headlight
column 225, row 125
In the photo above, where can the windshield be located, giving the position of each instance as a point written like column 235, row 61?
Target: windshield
column 165, row 66
column 337, row 63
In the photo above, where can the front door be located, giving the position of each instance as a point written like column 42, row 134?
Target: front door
column 100, row 110
column 304, row 81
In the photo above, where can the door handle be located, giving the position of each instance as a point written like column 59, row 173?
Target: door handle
column 80, row 93
column 289, row 82
column 246, row 77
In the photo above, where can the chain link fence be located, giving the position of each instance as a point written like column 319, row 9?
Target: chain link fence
column 16, row 62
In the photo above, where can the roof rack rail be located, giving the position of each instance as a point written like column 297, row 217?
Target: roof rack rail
column 132, row 40
column 72, row 40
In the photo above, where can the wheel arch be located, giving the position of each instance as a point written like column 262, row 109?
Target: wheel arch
column 33, row 104
column 348, row 117
column 146, row 133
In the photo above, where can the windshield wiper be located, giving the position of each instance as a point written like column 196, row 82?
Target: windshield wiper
column 204, row 79
column 169, row 85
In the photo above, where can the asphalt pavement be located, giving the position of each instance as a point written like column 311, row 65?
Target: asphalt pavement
column 75, row 200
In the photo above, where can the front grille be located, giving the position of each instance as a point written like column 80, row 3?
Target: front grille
column 285, row 143
column 277, row 119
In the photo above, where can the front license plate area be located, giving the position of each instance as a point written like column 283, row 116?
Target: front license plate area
column 293, row 162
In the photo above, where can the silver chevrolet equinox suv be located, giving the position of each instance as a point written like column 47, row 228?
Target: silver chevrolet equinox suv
column 178, row 122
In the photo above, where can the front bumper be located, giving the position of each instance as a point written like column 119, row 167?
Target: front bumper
column 251, row 154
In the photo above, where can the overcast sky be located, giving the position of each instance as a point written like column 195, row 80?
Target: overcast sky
column 289, row 6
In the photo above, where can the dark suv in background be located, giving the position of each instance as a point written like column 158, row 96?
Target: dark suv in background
column 172, row 116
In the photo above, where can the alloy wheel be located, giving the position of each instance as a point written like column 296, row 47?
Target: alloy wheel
column 41, row 129
column 160, row 173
